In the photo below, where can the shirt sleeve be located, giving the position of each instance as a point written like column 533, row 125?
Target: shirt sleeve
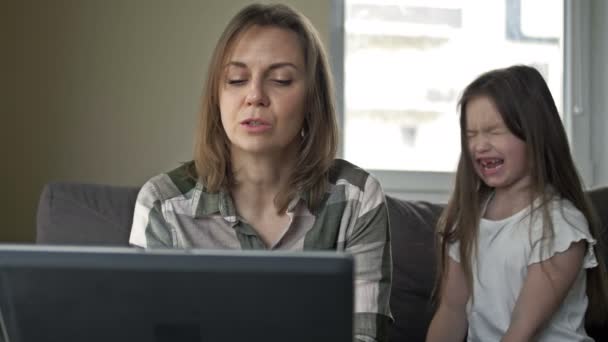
column 369, row 244
column 150, row 229
column 569, row 226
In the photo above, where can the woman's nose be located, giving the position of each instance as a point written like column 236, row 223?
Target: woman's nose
column 256, row 95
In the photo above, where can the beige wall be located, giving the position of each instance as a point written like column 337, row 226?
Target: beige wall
column 105, row 91
column 8, row 142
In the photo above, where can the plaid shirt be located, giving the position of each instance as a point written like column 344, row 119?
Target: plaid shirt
column 175, row 211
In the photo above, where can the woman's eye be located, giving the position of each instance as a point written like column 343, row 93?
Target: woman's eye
column 236, row 81
column 283, row 82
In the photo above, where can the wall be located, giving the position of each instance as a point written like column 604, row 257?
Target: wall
column 105, row 91
column 8, row 132
column 599, row 90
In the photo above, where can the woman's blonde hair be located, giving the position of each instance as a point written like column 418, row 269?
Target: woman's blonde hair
column 319, row 132
column 527, row 108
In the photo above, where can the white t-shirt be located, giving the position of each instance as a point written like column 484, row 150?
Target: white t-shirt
column 505, row 249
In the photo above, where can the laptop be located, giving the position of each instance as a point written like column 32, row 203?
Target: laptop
column 51, row 293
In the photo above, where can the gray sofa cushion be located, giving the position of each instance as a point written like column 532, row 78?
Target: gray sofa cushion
column 412, row 241
column 85, row 214
column 599, row 199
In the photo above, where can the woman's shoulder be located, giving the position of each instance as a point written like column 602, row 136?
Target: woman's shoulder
column 174, row 183
column 349, row 182
column 343, row 171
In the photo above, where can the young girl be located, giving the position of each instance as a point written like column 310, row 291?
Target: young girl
column 518, row 245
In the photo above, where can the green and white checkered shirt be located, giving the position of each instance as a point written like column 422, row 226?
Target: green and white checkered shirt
column 175, row 211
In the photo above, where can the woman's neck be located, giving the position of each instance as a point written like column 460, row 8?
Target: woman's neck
column 258, row 179
column 257, row 182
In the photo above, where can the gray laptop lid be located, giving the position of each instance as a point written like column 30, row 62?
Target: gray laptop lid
column 124, row 294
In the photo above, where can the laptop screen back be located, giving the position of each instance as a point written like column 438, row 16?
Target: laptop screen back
column 121, row 294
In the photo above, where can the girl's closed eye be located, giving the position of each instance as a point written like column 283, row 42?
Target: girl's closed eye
column 498, row 131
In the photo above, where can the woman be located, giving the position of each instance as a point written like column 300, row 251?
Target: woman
column 264, row 174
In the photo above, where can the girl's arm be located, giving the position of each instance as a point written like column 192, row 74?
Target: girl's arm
column 544, row 289
column 450, row 320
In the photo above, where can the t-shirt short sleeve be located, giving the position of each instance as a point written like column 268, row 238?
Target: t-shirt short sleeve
column 569, row 226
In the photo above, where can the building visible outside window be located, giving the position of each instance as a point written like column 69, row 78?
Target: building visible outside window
column 407, row 61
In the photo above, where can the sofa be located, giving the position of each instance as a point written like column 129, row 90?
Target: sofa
column 88, row 214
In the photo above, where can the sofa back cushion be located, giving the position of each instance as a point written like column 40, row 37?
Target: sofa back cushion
column 85, row 214
column 599, row 199
column 412, row 227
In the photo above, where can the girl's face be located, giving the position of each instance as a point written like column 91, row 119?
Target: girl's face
column 498, row 156
column 262, row 92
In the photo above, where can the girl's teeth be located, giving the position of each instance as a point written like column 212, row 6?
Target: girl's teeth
column 491, row 163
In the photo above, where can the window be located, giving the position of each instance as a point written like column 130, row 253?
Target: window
column 401, row 66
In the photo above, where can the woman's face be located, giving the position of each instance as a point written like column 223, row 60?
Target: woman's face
column 262, row 91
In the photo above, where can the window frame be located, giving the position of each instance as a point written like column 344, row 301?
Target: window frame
column 436, row 186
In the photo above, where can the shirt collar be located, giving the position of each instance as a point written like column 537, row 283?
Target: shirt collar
column 207, row 203
column 300, row 196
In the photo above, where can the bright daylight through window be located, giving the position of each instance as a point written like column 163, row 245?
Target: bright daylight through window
column 407, row 61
